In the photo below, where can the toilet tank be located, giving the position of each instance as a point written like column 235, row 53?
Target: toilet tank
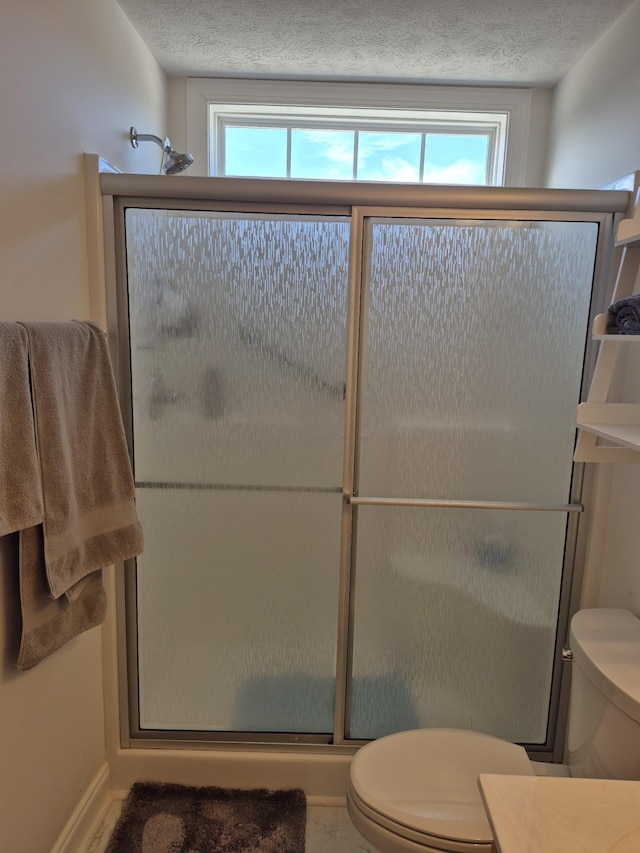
column 603, row 735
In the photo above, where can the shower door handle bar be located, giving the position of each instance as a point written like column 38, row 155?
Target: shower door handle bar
column 420, row 502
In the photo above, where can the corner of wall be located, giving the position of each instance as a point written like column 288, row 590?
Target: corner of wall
column 177, row 112
column 539, row 125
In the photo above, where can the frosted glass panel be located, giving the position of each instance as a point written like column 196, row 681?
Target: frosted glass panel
column 473, row 350
column 237, row 347
column 473, row 361
column 238, row 331
column 237, row 610
column 455, row 620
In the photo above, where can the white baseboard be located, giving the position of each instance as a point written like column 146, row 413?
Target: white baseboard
column 84, row 821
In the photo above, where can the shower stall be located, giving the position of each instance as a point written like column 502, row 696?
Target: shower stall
column 351, row 411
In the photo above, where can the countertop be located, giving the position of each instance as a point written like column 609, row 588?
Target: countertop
column 548, row 814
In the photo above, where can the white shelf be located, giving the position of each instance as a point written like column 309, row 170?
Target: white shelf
column 599, row 332
column 627, row 435
column 617, row 422
column 628, row 233
column 631, row 240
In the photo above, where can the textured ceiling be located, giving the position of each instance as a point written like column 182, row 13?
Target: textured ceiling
column 483, row 41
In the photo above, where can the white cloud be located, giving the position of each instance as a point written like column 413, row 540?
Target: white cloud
column 370, row 143
column 393, row 169
column 335, row 146
column 461, row 172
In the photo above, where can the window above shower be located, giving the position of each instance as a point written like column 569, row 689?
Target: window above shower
column 365, row 132
column 362, row 145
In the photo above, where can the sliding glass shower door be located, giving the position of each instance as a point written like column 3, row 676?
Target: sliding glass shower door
column 352, row 445
column 472, row 344
column 238, row 331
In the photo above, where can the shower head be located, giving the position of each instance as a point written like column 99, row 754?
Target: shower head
column 172, row 161
column 176, row 162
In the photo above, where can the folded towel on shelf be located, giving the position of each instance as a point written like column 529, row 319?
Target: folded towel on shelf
column 89, row 518
column 624, row 316
column 20, row 492
column 48, row 624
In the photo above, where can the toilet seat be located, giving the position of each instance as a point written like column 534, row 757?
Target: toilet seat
column 391, row 837
column 422, row 786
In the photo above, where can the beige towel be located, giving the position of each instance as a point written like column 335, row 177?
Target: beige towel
column 20, row 492
column 47, row 624
column 90, row 519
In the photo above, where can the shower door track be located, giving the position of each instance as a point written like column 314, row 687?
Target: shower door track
column 358, row 201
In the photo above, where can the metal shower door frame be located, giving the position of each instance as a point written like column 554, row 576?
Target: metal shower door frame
column 360, row 202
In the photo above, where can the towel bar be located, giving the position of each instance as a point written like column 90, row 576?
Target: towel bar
column 237, row 487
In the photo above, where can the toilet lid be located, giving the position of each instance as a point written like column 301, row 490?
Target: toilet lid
column 427, row 779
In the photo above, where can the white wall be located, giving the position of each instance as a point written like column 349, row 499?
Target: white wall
column 595, row 124
column 595, row 139
column 74, row 75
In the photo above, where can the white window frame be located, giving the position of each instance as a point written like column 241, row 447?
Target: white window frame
column 492, row 125
column 505, row 111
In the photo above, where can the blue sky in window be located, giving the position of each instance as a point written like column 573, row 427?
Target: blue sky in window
column 256, row 152
column 382, row 156
column 455, row 159
column 328, row 154
column 324, row 154
column 389, row 156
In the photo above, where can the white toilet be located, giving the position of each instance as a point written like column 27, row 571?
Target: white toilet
column 418, row 790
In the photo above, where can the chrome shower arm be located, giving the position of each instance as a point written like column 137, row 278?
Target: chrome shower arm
column 148, row 137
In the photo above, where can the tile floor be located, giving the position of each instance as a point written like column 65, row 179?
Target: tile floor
column 329, row 830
